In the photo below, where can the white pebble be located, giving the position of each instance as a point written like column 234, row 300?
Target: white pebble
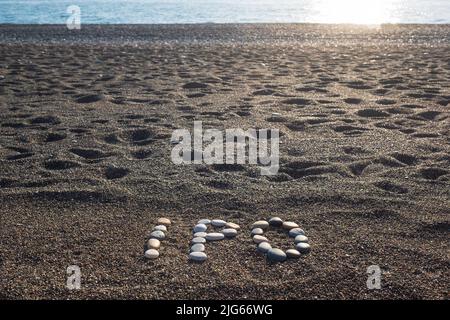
column 157, row 235
column 275, row 221
column 153, row 244
column 198, row 240
column 260, row 224
column 197, row 256
column 218, row 223
column 288, row 225
column 229, row 232
column 277, row 255
column 300, row 238
column 160, row 228
column 200, row 234
column 198, row 247
column 295, row 232
column 259, row 239
column 257, row 231
column 303, row 247
column 292, row 253
column 232, row 225
column 215, row 236
column 200, row 228
column 164, row 221
column 204, row 221
column 151, row 254
column 264, row 247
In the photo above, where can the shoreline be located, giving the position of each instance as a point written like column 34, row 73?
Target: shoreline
column 333, row 34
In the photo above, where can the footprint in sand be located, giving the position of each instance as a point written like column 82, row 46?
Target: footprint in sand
column 391, row 187
column 55, row 136
column 45, row 120
column 112, row 173
column 298, row 102
column 90, row 98
column 60, row 165
column 372, row 113
column 353, row 100
column 195, row 85
column 90, row 154
column 433, row 173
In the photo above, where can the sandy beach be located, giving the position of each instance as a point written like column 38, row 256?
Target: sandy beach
column 85, row 169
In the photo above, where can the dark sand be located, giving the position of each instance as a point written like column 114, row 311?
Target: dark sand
column 85, row 169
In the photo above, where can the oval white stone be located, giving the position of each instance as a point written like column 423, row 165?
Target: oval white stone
column 151, row 254
column 200, row 234
column 197, row 256
column 275, row 254
column 215, row 236
column 200, row 228
column 301, row 238
column 164, row 221
column 160, row 227
column 153, row 244
column 157, row 235
column 258, row 239
column 275, row 221
column 229, row 232
column 232, row 225
column 198, row 240
column 292, row 253
column 260, row 224
column 264, row 247
column 295, row 232
column 257, row 231
column 303, row 247
column 204, row 221
column 198, row 247
column 288, row 225
column 218, row 223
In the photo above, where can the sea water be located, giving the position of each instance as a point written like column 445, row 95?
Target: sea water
column 227, row 11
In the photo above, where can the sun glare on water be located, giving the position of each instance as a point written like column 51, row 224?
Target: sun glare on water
column 354, row 11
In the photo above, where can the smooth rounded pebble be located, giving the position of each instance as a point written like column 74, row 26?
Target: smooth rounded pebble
column 164, row 221
column 275, row 221
column 229, row 232
column 151, row 254
column 218, row 223
column 263, row 247
column 260, row 224
column 277, row 255
column 258, row 239
column 158, row 234
column 257, row 231
column 301, row 238
column 232, row 225
column 160, row 228
column 198, row 240
column 200, row 228
column 303, row 247
column 153, row 244
column 198, row 247
column 296, row 232
column 292, row 253
column 215, row 236
column 200, row 234
column 197, row 256
column 288, row 225
column 204, row 221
